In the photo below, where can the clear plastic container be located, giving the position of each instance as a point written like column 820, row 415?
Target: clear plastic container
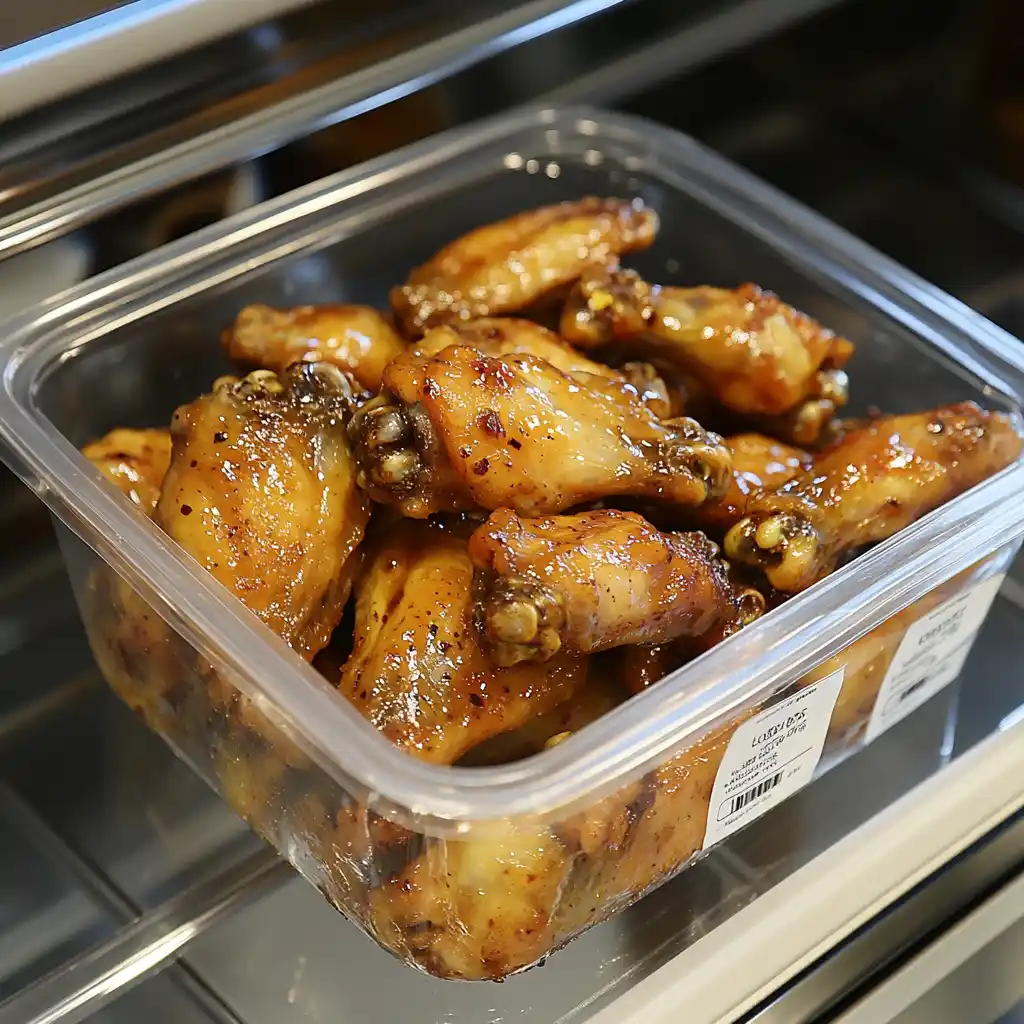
column 480, row 872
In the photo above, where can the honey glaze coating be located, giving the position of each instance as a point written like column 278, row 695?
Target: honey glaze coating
column 469, row 640
column 645, row 665
column 867, row 486
column 759, row 463
column 756, row 354
column 603, row 692
column 495, row 903
column 261, row 491
column 134, row 461
column 511, row 336
column 417, row 671
column 357, row 339
column 460, row 430
column 596, row 580
column 508, row 266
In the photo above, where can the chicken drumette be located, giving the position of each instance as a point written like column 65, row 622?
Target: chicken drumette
column 357, row 339
column 460, row 429
column 596, row 580
column 759, row 357
column 866, row 487
column 508, row 266
column 418, row 672
column 134, row 461
column 261, row 491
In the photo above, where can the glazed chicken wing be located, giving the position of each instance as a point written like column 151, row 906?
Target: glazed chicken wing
column 601, row 694
column 261, row 491
column 758, row 356
column 509, row 336
column 508, row 266
column 357, row 339
column 459, row 430
column 417, row 671
column 645, row 665
column 873, row 482
column 520, row 888
column 596, row 580
column 759, row 463
column 134, row 461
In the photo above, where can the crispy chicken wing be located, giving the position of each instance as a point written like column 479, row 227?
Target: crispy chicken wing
column 508, row 266
column 357, row 339
column 417, row 671
column 759, row 463
column 261, row 491
column 596, row 580
column 509, row 336
column 459, row 429
column 134, row 461
column 867, row 486
column 757, row 355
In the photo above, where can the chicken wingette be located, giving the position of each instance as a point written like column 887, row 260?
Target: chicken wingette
column 508, row 266
column 134, row 461
column 759, row 463
column 866, row 487
column 357, row 339
column 756, row 355
column 511, row 336
column 418, row 672
column 261, row 491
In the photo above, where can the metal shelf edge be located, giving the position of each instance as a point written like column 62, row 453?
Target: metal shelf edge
column 749, row 957
column 284, row 122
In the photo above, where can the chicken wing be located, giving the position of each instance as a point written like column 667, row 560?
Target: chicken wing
column 596, row 580
column 509, row 336
column 417, row 671
column 601, row 694
column 522, row 888
column 645, row 665
column 134, row 461
column 759, row 463
column 508, row 266
column 261, row 491
column 873, row 482
column 357, row 339
column 459, row 430
column 757, row 355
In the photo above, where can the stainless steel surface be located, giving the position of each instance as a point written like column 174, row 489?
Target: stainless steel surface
column 252, row 94
column 104, row 44
column 180, row 979
column 29, row 21
column 95, row 977
column 269, row 128
column 722, row 31
column 936, row 986
column 853, row 968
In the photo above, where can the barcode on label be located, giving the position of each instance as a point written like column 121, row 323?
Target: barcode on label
column 913, row 688
column 741, row 800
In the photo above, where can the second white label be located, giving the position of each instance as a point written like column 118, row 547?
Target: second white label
column 770, row 757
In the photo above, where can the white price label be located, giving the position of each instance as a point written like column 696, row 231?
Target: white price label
column 770, row 757
column 931, row 654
